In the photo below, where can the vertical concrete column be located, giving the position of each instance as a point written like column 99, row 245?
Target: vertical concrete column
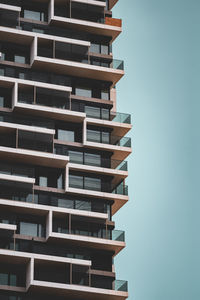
column 49, row 224
column 33, row 51
column 66, row 178
column 113, row 97
column 14, row 95
column 84, row 131
column 29, row 273
column 50, row 10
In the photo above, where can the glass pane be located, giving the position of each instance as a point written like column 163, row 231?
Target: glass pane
column 93, row 159
column 34, row 15
column 105, row 114
column 67, row 203
column 76, row 181
column 94, row 136
column 42, row 181
column 105, row 137
column 104, row 49
column 66, row 135
column 13, row 280
column 94, row 112
column 3, row 279
column 60, row 182
column 84, row 92
column 1, row 101
column 28, row 229
column 2, row 72
column 95, row 48
column 105, row 95
column 92, row 183
column 83, row 205
column 76, row 157
column 20, row 59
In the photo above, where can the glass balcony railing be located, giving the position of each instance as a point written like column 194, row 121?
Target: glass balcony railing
column 85, row 158
column 27, row 140
column 95, row 184
column 82, row 58
column 121, row 118
column 103, row 114
column 118, row 235
column 44, row 100
column 121, row 189
column 113, row 235
column 97, row 137
column 121, row 285
column 64, row 103
column 117, row 64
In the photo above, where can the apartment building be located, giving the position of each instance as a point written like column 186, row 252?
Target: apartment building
column 63, row 150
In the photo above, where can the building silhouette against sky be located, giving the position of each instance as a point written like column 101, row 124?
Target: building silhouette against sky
column 62, row 151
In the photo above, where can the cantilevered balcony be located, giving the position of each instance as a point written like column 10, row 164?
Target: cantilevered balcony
column 77, row 63
column 95, row 160
column 84, row 16
column 26, row 137
column 119, row 145
column 9, row 15
column 98, row 137
column 96, row 184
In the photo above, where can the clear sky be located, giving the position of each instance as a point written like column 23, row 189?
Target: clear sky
column 161, row 48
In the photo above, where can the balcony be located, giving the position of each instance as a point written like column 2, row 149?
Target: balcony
column 43, row 96
column 33, row 95
column 77, row 52
column 76, row 63
column 86, row 16
column 105, row 138
column 24, row 137
column 88, row 159
column 9, row 15
column 25, row 193
column 95, row 184
column 83, row 226
column 121, row 285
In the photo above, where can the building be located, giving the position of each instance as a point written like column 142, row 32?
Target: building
column 62, row 151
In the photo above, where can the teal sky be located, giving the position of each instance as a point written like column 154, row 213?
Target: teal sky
column 161, row 48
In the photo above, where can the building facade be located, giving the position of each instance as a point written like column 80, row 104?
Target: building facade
column 62, row 151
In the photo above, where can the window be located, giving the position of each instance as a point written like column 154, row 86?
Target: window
column 2, row 72
column 105, row 114
column 92, row 183
column 4, row 279
column 83, row 205
column 95, row 48
column 105, row 137
column 93, row 159
column 37, row 30
column 19, row 59
column 8, row 279
column 104, row 49
column 60, row 181
column 22, row 75
column 76, row 157
column 66, row 135
column 105, row 95
column 84, row 92
column 66, row 203
column 34, row 15
column 43, row 181
column 2, row 56
column 31, row 229
column 76, row 181
column 94, row 136
column 1, row 101
column 94, row 112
